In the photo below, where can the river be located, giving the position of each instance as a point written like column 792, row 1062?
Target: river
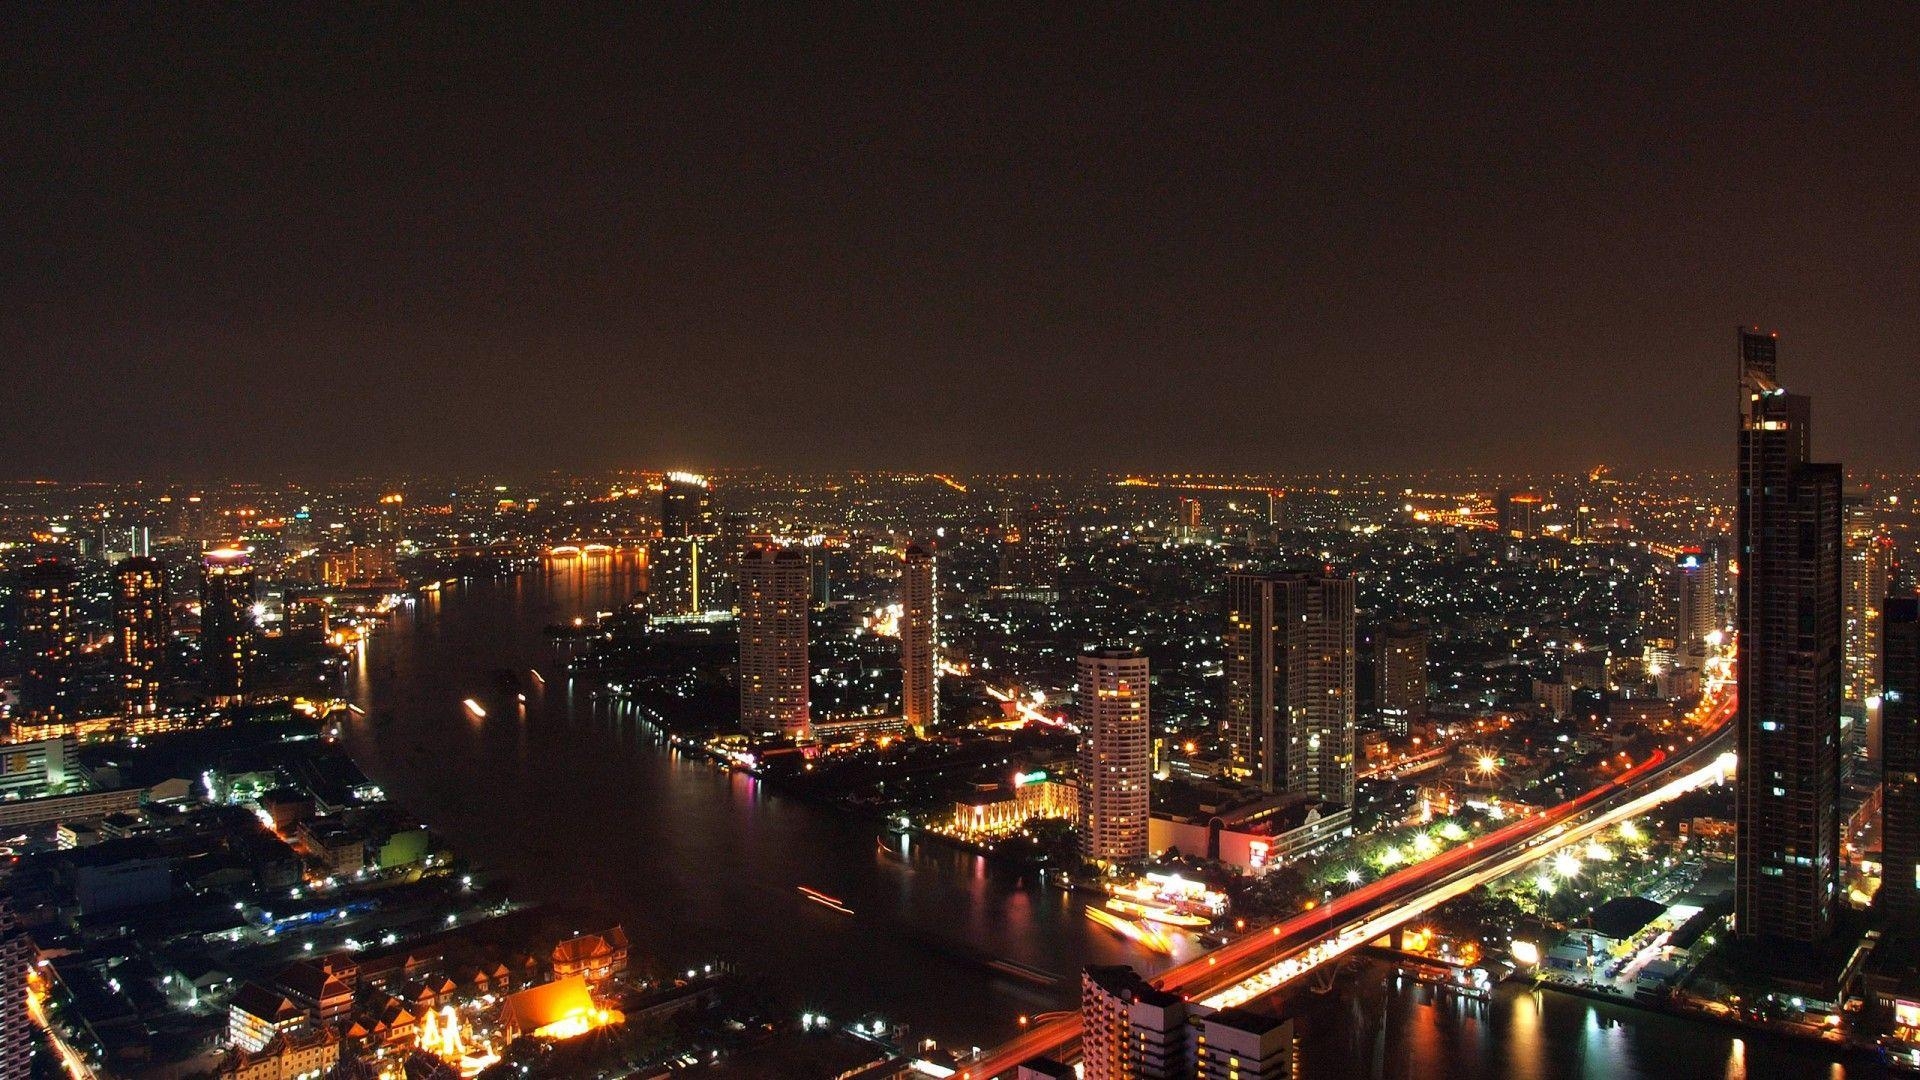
column 573, row 801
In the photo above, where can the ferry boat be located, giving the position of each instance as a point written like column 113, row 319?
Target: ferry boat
column 1159, row 915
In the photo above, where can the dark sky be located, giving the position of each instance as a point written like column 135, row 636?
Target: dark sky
column 248, row 240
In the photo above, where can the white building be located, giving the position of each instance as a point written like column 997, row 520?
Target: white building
column 1116, row 754
column 775, row 595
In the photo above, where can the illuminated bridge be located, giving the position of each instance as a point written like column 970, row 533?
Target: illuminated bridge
column 1266, row 960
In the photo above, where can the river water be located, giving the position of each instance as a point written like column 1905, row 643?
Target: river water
column 573, row 801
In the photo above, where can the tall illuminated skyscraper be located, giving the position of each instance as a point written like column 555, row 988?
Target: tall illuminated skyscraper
column 1116, row 754
column 1290, row 682
column 919, row 622
column 1788, row 530
column 1696, row 612
column 775, row 595
column 686, row 506
column 1868, row 560
column 142, row 625
column 226, row 624
column 48, row 637
column 1899, row 893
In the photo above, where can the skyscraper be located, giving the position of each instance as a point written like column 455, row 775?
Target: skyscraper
column 142, row 625
column 16, row 1029
column 48, row 638
column 680, row 575
column 1788, row 531
column 1116, row 754
column 226, row 624
column 1864, row 573
column 1899, row 894
column 1130, row 1030
column 1290, row 682
column 919, row 622
column 686, row 506
column 1400, row 673
column 1514, row 512
column 1696, row 613
column 774, row 600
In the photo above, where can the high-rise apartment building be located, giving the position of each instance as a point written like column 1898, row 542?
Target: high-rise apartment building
column 1787, row 792
column 1116, row 754
column 1400, row 673
column 1695, row 611
column 1864, row 576
column 775, row 596
column 1129, row 1029
column 919, row 622
column 226, row 624
column 48, row 638
column 1899, row 893
column 1290, row 682
column 1515, row 512
column 686, row 506
column 142, row 627
column 16, row 1029
column 682, row 572
column 1239, row 1044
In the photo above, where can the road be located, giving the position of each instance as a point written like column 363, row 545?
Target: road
column 1264, row 961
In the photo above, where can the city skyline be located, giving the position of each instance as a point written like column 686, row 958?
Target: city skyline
column 1148, row 543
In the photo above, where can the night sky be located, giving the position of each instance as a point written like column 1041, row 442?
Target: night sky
column 926, row 235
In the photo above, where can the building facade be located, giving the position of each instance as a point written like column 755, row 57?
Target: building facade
column 686, row 506
column 16, row 1031
column 142, row 628
column 1290, row 683
column 48, row 638
column 1130, row 1030
column 1400, row 674
column 1787, row 791
column 775, row 595
column 1899, row 894
column 1864, row 576
column 226, row 625
column 919, row 623
column 1116, row 754
column 1696, row 611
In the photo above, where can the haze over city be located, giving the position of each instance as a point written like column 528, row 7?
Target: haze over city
column 322, row 240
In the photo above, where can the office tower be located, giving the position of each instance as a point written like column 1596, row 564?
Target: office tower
column 1238, row 1044
column 1900, row 751
column 226, row 624
column 1290, row 673
column 1129, row 1030
column 686, row 506
column 16, row 1029
column 1190, row 518
column 1116, row 754
column 919, row 623
column 680, row 575
column 1696, row 614
column 48, row 638
column 1277, row 509
column 1864, row 573
column 774, row 601
column 1400, row 673
column 142, row 626
column 1514, row 512
column 1788, row 531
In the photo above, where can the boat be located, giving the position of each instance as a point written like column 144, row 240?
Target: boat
column 473, row 707
column 1157, row 914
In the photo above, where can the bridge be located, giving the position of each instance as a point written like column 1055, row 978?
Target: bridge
column 1269, row 959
